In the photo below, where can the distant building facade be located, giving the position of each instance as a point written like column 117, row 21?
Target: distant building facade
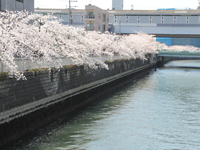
column 77, row 16
column 91, row 18
column 173, row 27
column 17, row 5
column 159, row 22
column 117, row 4
column 96, row 19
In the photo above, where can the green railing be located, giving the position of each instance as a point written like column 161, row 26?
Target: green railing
column 178, row 52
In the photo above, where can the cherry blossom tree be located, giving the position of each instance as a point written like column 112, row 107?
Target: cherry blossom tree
column 42, row 39
column 45, row 40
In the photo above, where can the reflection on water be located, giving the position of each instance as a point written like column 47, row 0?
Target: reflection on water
column 158, row 111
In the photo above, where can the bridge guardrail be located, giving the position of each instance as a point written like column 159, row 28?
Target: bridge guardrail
column 27, row 64
column 185, row 54
column 182, row 52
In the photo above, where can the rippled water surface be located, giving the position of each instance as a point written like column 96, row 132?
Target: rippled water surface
column 158, row 111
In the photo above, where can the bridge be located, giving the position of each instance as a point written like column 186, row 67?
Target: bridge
column 182, row 54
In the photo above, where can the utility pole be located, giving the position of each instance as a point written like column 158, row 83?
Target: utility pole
column 70, row 11
column 6, row 4
column 120, row 26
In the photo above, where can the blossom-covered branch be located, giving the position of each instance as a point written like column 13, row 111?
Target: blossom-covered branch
column 44, row 39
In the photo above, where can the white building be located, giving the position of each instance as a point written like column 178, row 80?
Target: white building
column 163, row 23
column 91, row 18
column 77, row 15
column 17, row 5
column 117, row 4
column 96, row 18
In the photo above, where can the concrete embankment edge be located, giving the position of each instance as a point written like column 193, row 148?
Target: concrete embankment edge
column 35, row 115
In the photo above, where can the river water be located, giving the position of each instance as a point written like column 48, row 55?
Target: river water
column 158, row 111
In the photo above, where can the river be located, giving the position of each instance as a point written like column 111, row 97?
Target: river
column 161, row 110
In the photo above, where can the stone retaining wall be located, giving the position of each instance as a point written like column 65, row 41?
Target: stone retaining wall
column 28, row 105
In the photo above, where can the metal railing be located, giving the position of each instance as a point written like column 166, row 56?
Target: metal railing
column 27, row 64
column 185, row 53
column 90, row 16
column 180, row 52
column 92, row 28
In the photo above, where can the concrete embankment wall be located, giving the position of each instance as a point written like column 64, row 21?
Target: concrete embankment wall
column 29, row 105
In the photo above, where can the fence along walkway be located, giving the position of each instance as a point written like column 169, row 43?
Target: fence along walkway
column 27, row 64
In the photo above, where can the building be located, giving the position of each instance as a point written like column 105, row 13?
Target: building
column 173, row 27
column 77, row 15
column 96, row 19
column 17, row 5
column 91, row 18
column 158, row 22
column 117, row 4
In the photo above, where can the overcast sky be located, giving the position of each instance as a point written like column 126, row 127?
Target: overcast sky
column 105, row 4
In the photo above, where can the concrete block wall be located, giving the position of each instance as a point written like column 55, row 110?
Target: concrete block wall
column 47, row 98
column 42, row 85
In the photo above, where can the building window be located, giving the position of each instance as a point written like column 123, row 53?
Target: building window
column 138, row 19
column 103, row 28
column 115, row 19
column 90, row 27
column 20, row 1
column 90, row 15
column 150, row 19
column 99, row 27
column 174, row 19
column 162, row 19
column 187, row 19
column 104, row 17
column 126, row 19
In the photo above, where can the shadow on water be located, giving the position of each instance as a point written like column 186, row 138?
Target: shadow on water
column 31, row 140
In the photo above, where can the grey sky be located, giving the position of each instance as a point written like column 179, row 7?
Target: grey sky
column 105, row 4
